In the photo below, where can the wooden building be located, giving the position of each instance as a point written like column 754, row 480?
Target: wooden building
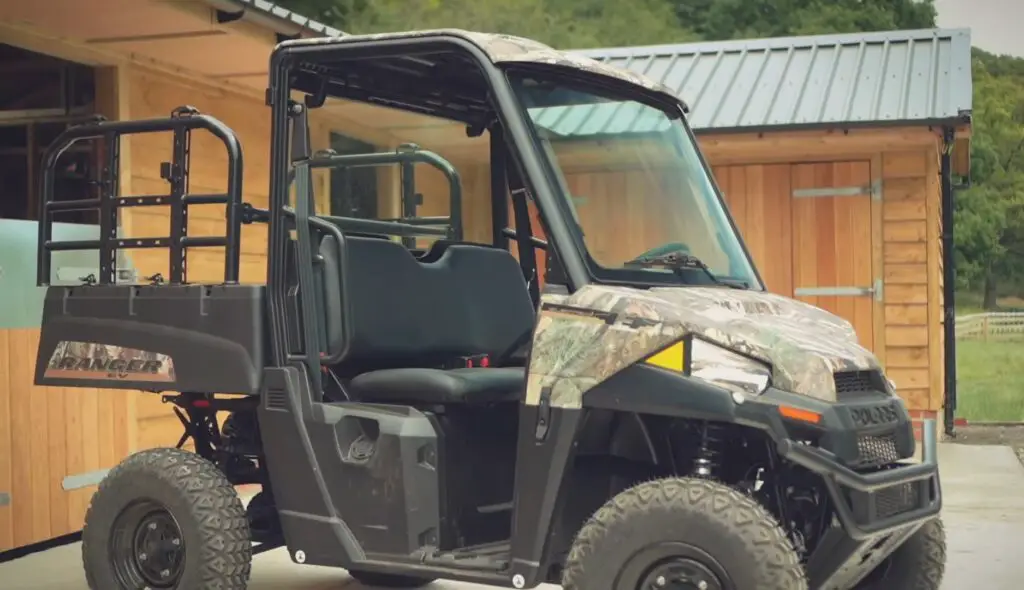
column 828, row 150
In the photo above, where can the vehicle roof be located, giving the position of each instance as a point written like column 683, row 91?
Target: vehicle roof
column 501, row 48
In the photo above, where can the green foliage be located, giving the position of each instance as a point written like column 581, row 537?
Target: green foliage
column 603, row 23
column 574, row 24
column 731, row 19
column 989, row 216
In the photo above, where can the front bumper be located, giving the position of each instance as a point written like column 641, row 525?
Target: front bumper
column 878, row 505
column 872, row 504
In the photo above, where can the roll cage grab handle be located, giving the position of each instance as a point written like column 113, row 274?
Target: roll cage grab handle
column 182, row 122
column 408, row 225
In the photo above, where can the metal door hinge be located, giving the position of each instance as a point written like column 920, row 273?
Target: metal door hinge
column 874, row 190
column 5, row 499
column 84, row 480
column 874, row 290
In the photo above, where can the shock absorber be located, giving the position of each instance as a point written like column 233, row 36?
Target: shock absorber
column 712, row 439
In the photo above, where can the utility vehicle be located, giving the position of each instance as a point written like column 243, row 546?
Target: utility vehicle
column 432, row 412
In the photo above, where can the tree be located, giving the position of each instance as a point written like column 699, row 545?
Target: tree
column 989, row 217
column 731, row 19
column 575, row 24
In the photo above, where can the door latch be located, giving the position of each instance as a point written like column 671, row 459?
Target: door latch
column 543, row 414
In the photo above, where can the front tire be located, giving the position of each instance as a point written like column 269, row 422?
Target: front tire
column 166, row 518
column 918, row 564
column 687, row 531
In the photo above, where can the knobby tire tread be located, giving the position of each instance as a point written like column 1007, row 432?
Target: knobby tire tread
column 225, row 551
column 738, row 515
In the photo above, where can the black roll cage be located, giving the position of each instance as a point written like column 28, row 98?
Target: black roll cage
column 182, row 122
column 304, row 66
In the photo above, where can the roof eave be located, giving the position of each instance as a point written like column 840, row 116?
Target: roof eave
column 957, row 122
column 284, row 22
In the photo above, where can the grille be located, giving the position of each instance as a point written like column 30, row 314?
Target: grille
column 896, row 500
column 856, row 383
column 276, row 400
column 875, row 450
column 885, row 503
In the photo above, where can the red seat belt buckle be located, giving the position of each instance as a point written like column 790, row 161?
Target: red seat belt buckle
column 472, row 362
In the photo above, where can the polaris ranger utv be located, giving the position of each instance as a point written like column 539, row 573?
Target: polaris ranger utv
column 433, row 412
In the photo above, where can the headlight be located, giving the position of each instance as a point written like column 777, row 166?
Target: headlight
column 743, row 376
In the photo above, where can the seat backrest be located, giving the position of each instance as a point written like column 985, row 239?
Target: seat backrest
column 395, row 310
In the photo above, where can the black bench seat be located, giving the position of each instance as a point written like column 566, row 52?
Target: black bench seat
column 398, row 318
column 437, row 386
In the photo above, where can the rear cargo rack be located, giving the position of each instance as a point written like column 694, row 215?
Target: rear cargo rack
column 182, row 122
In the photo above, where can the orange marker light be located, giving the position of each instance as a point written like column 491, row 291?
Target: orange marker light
column 800, row 415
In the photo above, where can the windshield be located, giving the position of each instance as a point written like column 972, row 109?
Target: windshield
column 634, row 184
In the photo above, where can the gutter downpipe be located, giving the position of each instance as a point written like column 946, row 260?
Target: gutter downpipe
column 948, row 281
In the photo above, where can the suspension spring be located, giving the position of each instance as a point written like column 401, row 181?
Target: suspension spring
column 712, row 439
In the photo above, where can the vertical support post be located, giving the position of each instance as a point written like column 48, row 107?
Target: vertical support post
column 108, row 209
column 178, row 178
column 408, row 197
column 948, row 281
column 499, row 188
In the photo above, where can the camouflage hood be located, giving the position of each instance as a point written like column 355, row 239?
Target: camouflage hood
column 804, row 344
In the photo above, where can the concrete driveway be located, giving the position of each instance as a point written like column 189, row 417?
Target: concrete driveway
column 984, row 516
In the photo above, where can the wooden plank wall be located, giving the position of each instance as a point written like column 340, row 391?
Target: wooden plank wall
column 759, row 199
column 156, row 95
column 150, row 95
column 913, row 296
column 49, row 433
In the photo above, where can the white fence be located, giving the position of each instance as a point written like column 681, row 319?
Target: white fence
column 992, row 325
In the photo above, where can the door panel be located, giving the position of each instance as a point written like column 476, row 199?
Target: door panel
column 758, row 198
column 832, row 259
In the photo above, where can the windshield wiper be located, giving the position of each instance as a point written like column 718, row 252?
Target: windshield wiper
column 678, row 261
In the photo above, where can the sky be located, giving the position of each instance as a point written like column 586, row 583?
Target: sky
column 996, row 25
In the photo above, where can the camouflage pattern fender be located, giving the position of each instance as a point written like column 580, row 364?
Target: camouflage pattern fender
column 583, row 339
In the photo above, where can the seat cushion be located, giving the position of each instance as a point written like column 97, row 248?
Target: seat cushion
column 437, row 386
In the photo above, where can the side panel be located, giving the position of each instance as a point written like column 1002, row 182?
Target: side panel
column 352, row 482
column 575, row 347
column 546, row 453
column 204, row 339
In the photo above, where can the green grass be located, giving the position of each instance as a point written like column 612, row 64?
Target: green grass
column 990, row 380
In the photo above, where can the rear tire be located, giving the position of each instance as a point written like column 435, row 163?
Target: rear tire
column 378, row 580
column 690, row 531
column 166, row 518
column 918, row 564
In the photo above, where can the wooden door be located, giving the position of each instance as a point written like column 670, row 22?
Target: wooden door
column 832, row 241
column 758, row 197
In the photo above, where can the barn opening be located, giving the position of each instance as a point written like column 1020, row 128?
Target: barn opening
column 40, row 96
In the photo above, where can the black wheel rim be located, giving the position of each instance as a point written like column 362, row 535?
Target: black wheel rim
column 673, row 566
column 147, row 549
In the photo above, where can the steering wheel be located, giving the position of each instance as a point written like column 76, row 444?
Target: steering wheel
column 668, row 248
